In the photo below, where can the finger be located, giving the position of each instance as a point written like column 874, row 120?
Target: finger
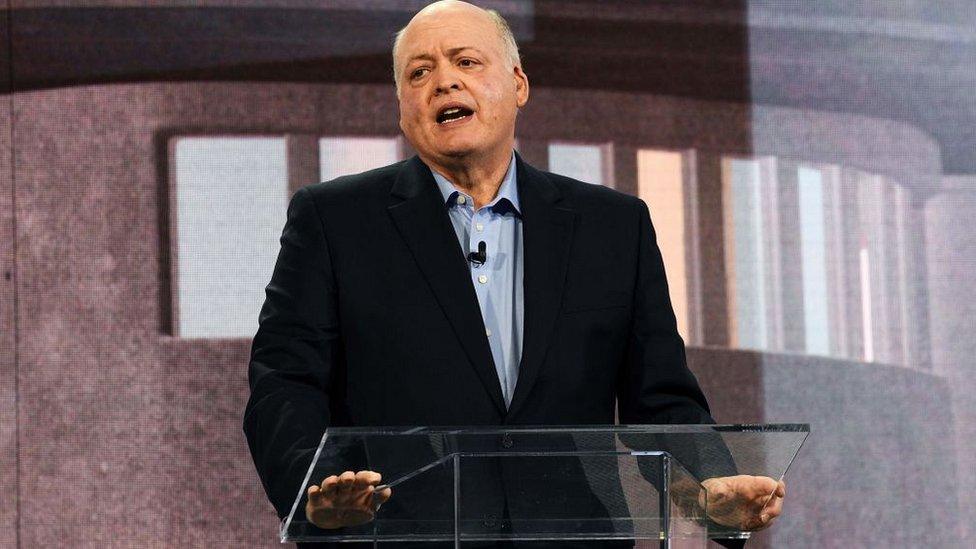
column 330, row 485
column 781, row 489
column 369, row 477
column 360, row 499
column 765, row 489
column 381, row 496
column 766, row 516
column 775, row 508
column 314, row 492
column 765, row 485
column 346, row 481
column 363, row 479
column 378, row 498
column 761, row 523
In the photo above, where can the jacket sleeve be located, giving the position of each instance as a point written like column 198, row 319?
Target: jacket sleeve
column 295, row 356
column 655, row 385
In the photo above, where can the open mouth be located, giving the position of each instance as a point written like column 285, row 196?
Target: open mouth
column 453, row 114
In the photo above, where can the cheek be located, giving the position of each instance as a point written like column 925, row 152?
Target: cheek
column 410, row 111
column 411, row 119
column 500, row 102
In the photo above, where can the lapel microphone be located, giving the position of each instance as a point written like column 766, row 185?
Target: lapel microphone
column 478, row 258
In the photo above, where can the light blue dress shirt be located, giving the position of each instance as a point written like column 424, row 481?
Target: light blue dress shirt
column 498, row 283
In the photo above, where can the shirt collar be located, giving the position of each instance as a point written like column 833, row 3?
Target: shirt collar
column 507, row 196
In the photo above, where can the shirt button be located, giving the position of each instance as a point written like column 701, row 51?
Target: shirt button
column 488, row 333
column 479, row 227
column 460, row 199
column 483, row 279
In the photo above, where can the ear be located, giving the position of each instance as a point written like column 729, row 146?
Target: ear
column 521, row 87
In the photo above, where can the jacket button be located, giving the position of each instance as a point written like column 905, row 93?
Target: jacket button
column 489, row 521
column 507, row 441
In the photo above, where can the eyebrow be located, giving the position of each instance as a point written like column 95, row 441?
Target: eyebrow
column 450, row 53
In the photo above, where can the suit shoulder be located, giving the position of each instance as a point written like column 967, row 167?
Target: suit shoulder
column 585, row 195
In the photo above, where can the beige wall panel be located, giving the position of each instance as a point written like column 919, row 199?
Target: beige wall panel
column 8, row 339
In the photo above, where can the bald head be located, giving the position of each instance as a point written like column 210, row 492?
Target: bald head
column 443, row 12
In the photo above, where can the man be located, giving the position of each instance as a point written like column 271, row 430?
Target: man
column 376, row 316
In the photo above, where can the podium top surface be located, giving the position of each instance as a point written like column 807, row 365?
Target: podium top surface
column 568, row 429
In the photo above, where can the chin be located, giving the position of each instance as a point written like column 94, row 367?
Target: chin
column 458, row 150
column 458, row 143
column 458, row 153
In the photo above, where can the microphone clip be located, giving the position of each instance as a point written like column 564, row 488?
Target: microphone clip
column 481, row 256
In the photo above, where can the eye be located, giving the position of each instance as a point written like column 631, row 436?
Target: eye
column 467, row 62
column 417, row 73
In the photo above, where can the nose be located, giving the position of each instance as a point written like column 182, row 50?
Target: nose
column 447, row 80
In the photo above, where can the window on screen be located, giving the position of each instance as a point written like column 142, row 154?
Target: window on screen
column 749, row 197
column 585, row 162
column 340, row 156
column 660, row 183
column 231, row 198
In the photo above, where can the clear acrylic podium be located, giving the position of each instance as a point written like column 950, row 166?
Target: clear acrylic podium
column 482, row 484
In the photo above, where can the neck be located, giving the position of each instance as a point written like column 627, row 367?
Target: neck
column 478, row 177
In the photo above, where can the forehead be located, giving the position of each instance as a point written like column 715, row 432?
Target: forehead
column 448, row 32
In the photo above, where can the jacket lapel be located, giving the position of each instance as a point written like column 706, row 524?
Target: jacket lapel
column 419, row 213
column 547, row 232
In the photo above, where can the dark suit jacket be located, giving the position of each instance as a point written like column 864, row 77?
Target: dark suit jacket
column 371, row 319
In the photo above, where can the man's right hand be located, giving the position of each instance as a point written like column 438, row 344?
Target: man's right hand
column 345, row 500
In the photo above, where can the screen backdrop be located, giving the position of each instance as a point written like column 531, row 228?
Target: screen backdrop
column 810, row 169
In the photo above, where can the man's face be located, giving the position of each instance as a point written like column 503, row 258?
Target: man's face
column 458, row 94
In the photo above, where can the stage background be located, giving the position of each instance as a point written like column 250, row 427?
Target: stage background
column 810, row 168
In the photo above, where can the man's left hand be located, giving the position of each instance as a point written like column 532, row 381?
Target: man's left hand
column 743, row 502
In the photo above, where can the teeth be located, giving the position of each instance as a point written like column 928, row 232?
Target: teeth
column 450, row 115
